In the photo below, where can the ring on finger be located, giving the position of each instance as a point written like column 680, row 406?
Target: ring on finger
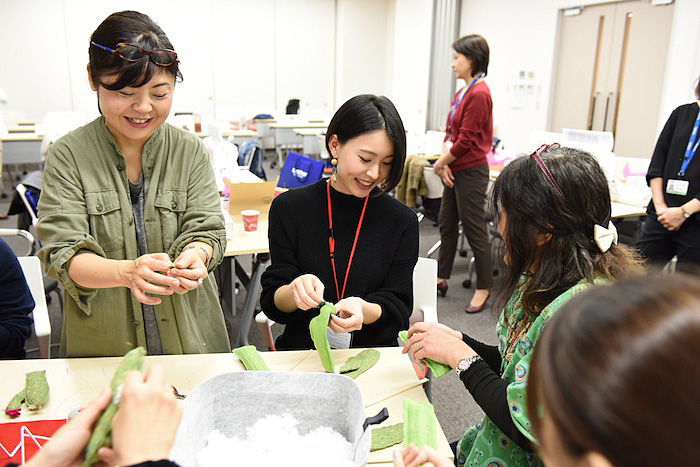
column 200, row 280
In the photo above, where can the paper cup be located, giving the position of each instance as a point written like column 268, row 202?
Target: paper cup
column 250, row 220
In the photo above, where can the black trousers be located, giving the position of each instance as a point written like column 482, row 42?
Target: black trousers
column 659, row 245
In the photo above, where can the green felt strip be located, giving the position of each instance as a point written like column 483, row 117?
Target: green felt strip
column 419, row 424
column 16, row 401
column 386, row 436
column 251, row 358
column 360, row 363
column 102, row 433
column 438, row 369
column 317, row 329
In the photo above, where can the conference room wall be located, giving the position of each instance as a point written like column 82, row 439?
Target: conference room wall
column 523, row 37
column 239, row 57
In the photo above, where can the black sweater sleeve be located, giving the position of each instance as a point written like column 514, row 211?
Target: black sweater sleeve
column 16, row 303
column 489, row 391
column 489, row 353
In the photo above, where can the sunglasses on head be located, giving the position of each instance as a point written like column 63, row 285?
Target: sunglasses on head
column 537, row 155
column 134, row 53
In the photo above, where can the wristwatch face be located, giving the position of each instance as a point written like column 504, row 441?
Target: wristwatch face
column 463, row 365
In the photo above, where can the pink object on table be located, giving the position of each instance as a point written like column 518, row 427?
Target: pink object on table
column 250, row 220
column 626, row 172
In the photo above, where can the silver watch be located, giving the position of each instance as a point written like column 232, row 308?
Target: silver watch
column 465, row 363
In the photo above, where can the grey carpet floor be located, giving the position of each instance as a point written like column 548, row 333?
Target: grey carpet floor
column 455, row 408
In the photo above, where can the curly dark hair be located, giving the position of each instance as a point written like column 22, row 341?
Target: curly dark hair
column 534, row 210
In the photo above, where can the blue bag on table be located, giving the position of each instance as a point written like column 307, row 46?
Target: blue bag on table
column 300, row 171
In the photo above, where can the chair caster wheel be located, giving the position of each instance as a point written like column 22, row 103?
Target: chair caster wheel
column 467, row 283
column 463, row 253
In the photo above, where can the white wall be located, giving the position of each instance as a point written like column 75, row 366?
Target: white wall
column 238, row 57
column 522, row 37
column 361, row 48
column 683, row 65
column 408, row 64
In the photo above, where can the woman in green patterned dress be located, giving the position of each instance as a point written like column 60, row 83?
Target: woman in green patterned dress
column 554, row 214
column 632, row 351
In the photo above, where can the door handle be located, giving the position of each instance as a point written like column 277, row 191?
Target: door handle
column 607, row 109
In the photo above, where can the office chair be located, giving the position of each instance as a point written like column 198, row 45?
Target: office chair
column 30, row 198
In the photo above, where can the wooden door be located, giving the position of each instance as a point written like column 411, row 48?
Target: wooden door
column 609, row 74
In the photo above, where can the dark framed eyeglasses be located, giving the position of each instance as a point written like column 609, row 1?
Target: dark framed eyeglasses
column 537, row 155
column 134, row 53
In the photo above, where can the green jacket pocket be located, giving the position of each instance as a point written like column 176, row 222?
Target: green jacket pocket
column 105, row 215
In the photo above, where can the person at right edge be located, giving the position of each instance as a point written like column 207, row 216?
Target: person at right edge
column 672, row 226
column 464, row 169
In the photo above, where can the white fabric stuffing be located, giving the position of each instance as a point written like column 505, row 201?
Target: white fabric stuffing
column 274, row 441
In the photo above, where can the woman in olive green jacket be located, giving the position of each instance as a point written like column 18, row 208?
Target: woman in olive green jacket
column 129, row 214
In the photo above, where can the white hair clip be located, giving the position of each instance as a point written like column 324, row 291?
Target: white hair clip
column 603, row 237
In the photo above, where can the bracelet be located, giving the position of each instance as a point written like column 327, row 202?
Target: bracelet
column 206, row 255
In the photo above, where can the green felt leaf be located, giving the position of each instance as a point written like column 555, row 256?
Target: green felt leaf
column 251, row 358
column 317, row 329
column 419, row 424
column 438, row 369
column 358, row 364
column 36, row 389
column 386, row 436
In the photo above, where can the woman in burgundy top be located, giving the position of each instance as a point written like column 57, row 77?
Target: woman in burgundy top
column 464, row 169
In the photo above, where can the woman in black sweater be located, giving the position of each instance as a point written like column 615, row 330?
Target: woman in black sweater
column 672, row 226
column 345, row 240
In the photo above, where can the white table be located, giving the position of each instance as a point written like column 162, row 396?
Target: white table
column 241, row 243
column 285, row 135
column 75, row 382
column 311, row 140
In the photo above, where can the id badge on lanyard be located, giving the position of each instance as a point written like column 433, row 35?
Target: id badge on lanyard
column 677, row 187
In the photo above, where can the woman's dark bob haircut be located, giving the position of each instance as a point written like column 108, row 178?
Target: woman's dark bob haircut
column 476, row 49
column 616, row 372
column 129, row 27
column 366, row 113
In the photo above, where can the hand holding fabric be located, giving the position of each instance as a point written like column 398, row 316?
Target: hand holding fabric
column 67, row 446
column 189, row 270
column 146, row 276
column 436, row 342
column 350, row 315
column 145, row 425
column 308, row 291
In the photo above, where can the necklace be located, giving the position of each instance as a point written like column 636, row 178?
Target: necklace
column 514, row 337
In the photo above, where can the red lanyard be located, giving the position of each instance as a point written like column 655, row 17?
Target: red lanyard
column 331, row 241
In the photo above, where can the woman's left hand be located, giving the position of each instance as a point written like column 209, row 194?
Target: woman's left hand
column 447, row 177
column 67, row 445
column 189, row 270
column 350, row 315
column 672, row 218
column 437, row 344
